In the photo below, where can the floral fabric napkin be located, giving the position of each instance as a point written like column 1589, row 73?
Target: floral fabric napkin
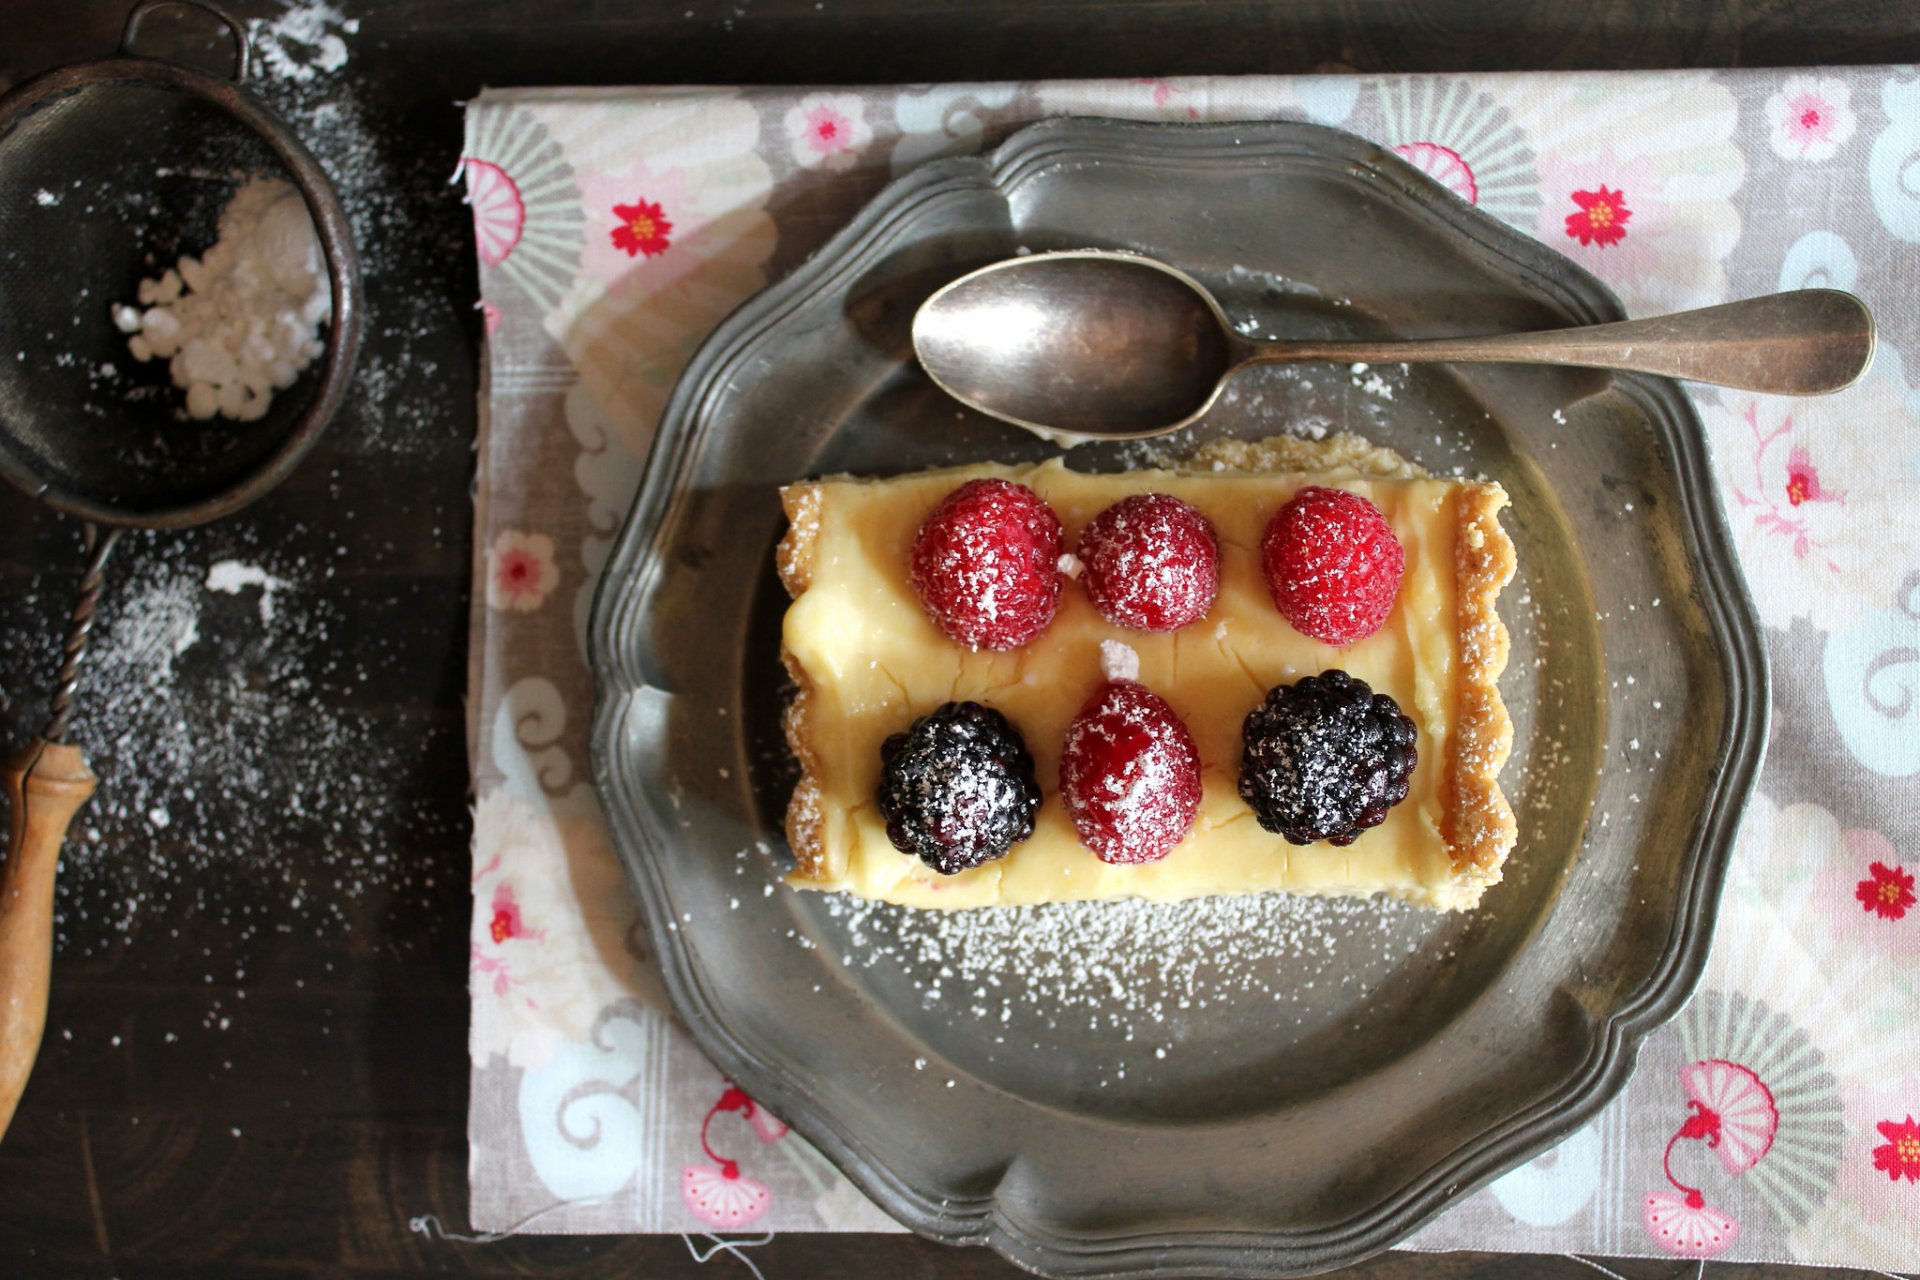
column 1777, row 1118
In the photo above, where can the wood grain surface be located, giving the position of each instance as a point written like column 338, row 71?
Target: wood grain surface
column 255, row 1062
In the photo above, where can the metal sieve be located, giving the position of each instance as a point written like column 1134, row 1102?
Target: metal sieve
column 109, row 170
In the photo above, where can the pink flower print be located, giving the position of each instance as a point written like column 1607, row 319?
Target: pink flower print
column 520, row 571
column 1687, row 1225
column 506, row 923
column 1887, row 891
column 719, row 1193
column 1164, row 94
column 828, row 130
column 548, row 909
column 735, row 1099
column 1810, row 118
column 499, row 214
column 723, row 1197
column 1797, row 483
column 490, row 316
column 1732, row 1112
column 1803, row 481
column 1444, row 165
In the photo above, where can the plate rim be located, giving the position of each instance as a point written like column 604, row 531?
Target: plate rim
column 1731, row 623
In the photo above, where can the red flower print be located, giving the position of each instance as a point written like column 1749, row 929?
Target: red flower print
column 1601, row 217
column 1900, row 1157
column 518, row 569
column 506, row 915
column 642, row 229
column 1887, row 892
column 1803, row 480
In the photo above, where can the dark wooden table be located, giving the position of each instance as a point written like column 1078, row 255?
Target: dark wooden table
column 256, row 1056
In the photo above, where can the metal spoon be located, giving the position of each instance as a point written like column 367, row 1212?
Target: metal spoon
column 1096, row 345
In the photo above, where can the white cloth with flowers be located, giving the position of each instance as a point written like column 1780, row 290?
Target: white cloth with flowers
column 1777, row 1118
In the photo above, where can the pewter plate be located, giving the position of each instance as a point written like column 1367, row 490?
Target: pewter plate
column 1283, row 1087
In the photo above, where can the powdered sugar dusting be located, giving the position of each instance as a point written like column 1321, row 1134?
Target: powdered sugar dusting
column 991, row 547
column 199, row 797
column 1129, row 774
column 233, row 577
column 1152, row 562
column 1137, row 976
column 305, row 40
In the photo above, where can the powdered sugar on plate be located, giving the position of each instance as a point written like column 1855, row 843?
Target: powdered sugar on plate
column 1134, row 975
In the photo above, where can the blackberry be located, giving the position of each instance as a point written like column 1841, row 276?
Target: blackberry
column 957, row 788
column 1325, row 758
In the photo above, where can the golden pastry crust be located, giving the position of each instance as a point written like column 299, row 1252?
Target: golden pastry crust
column 1478, row 826
column 794, row 559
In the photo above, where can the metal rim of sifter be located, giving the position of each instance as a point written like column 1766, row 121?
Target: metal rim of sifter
column 330, row 226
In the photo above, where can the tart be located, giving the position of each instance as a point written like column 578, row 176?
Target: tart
column 866, row 661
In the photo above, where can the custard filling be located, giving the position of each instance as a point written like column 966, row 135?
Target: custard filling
column 867, row 661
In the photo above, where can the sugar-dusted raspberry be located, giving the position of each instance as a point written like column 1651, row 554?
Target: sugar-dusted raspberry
column 957, row 788
column 1325, row 758
column 1332, row 564
column 1152, row 563
column 1129, row 774
column 987, row 564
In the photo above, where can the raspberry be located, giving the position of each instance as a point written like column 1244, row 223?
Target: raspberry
column 1332, row 564
column 1152, row 563
column 957, row 788
column 987, row 564
column 1130, row 774
column 1326, row 757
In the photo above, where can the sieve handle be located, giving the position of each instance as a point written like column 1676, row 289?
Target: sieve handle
column 46, row 785
column 242, row 52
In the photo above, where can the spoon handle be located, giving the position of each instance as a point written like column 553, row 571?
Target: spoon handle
column 1800, row 343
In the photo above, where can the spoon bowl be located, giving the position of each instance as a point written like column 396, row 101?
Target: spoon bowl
column 1100, row 345
column 1091, row 344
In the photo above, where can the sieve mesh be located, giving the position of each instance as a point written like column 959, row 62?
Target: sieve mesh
column 99, row 188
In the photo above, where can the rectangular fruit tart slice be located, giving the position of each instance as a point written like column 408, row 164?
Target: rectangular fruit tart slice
column 1274, row 667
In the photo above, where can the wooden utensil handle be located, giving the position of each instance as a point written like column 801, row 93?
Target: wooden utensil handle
column 47, row 782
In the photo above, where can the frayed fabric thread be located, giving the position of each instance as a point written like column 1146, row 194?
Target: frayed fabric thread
column 704, row 1249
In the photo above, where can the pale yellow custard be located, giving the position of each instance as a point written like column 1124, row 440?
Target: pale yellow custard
column 868, row 661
